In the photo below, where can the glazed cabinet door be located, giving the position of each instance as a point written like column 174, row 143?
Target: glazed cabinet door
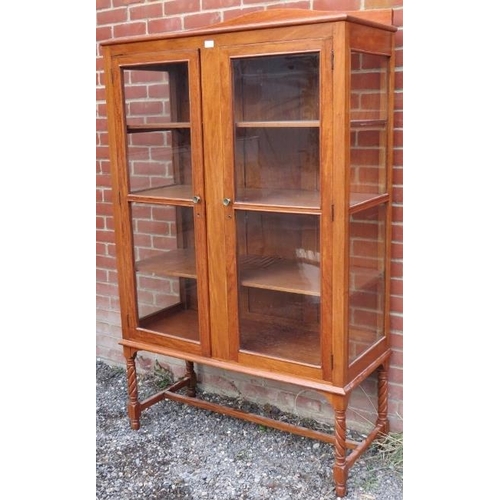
column 160, row 198
column 276, row 202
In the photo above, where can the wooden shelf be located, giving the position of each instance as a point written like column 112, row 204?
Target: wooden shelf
column 363, row 123
column 282, row 275
column 155, row 127
column 181, row 323
column 362, row 201
column 287, row 342
column 175, row 192
column 361, row 278
column 363, row 335
column 358, row 198
column 279, row 198
column 378, row 123
column 361, row 340
column 174, row 263
column 298, row 200
column 274, row 273
column 278, row 124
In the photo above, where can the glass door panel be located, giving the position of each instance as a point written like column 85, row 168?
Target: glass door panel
column 156, row 94
column 279, row 285
column 276, row 88
column 158, row 130
column 165, row 269
column 160, row 163
column 368, row 113
column 367, row 251
column 276, row 129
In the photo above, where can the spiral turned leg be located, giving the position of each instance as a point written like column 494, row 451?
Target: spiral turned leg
column 339, row 468
column 191, row 388
column 383, row 399
column 134, row 409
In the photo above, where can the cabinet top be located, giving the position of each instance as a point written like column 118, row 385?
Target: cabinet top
column 274, row 18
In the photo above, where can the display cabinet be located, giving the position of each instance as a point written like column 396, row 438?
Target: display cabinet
column 251, row 177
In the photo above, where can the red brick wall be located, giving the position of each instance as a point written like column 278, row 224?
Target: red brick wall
column 121, row 18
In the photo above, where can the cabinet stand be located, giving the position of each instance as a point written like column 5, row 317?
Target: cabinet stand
column 344, row 459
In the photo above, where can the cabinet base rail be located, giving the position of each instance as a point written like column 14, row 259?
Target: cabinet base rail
column 343, row 460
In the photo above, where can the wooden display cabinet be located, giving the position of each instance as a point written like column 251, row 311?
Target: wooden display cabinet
column 251, row 171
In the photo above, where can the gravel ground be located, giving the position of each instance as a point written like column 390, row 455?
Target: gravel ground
column 182, row 452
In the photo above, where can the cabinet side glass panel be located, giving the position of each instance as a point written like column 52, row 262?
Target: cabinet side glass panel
column 368, row 121
column 276, row 129
column 367, row 251
column 279, row 285
column 158, row 130
column 165, row 269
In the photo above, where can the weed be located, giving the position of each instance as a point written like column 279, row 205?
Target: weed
column 390, row 449
column 163, row 378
